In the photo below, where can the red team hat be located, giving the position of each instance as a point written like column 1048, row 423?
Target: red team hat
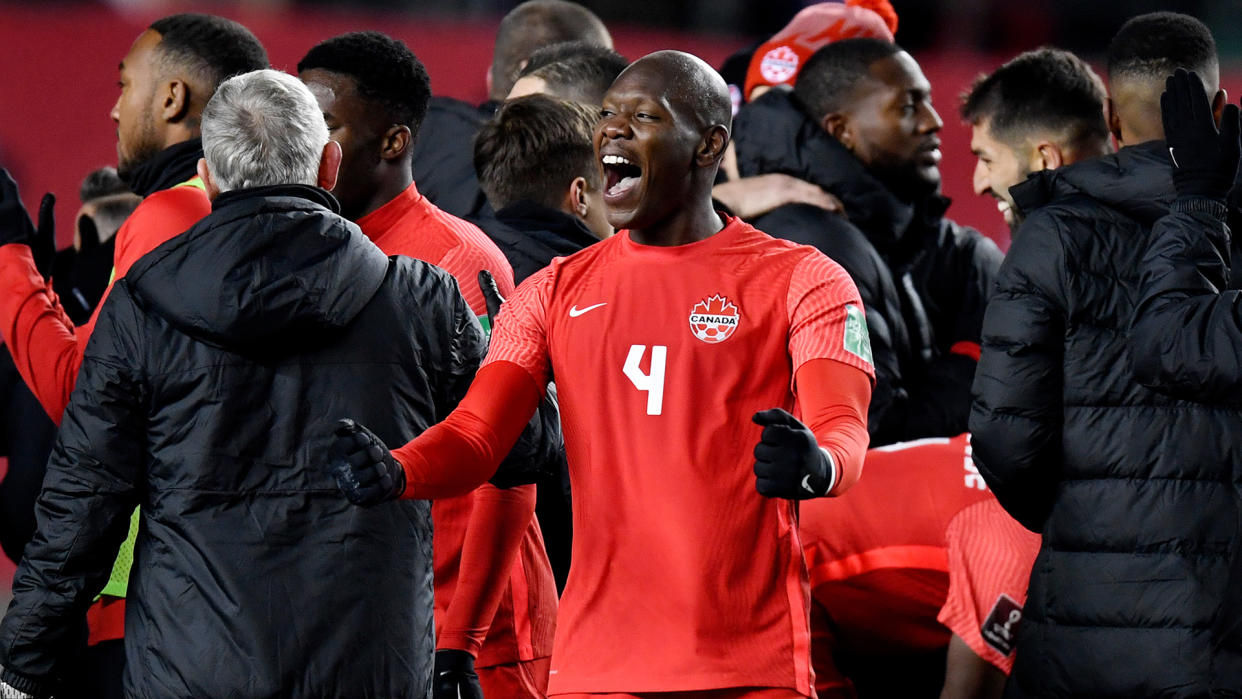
column 778, row 61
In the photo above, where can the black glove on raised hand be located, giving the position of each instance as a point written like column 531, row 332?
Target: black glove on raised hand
column 16, row 227
column 455, row 677
column 363, row 467
column 1205, row 159
column 788, row 461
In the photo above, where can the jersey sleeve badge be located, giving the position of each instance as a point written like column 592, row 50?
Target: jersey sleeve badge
column 857, row 339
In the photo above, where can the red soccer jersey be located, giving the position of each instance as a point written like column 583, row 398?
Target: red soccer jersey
column 882, row 559
column 990, row 559
column 522, row 626
column 683, row 576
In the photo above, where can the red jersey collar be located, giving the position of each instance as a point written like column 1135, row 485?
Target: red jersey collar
column 733, row 227
column 407, row 206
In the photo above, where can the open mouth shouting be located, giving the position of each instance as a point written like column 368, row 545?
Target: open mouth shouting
column 621, row 178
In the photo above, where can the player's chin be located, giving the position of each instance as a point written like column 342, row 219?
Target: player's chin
column 623, row 217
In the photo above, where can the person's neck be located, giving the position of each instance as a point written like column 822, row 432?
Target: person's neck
column 387, row 189
column 690, row 225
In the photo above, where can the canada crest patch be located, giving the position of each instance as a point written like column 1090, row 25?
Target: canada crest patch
column 779, row 64
column 714, row 319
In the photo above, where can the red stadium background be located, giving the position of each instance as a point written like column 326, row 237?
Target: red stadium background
column 58, row 75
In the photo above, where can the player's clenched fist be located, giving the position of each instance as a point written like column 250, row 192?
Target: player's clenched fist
column 789, row 462
column 363, row 467
column 455, row 677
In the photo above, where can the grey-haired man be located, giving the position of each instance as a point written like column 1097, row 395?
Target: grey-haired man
column 215, row 364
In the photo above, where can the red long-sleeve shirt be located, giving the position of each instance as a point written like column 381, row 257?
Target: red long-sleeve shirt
column 495, row 596
column 45, row 345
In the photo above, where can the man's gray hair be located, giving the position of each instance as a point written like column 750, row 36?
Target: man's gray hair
column 263, row 128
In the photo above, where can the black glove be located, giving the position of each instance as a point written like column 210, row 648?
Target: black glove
column 15, row 225
column 363, row 467
column 491, row 296
column 455, row 677
column 788, row 461
column 1205, row 160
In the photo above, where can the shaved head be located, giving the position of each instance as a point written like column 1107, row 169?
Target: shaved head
column 691, row 86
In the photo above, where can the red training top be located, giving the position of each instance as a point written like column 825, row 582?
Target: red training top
column 491, row 569
column 884, row 559
column 683, row 577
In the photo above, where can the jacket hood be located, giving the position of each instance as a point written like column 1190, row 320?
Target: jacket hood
column 771, row 134
column 1136, row 181
column 269, row 269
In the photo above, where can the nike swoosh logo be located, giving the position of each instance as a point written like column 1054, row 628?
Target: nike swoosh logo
column 806, row 484
column 574, row 311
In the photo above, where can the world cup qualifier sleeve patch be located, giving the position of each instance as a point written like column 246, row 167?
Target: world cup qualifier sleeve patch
column 857, row 339
column 1001, row 626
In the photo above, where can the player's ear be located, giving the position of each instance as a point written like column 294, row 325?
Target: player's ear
column 209, row 183
column 395, row 142
column 713, row 145
column 838, row 126
column 576, row 197
column 329, row 165
column 1113, row 119
column 1046, row 156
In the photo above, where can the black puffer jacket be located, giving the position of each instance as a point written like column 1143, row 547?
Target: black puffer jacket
column 924, row 280
column 207, row 395
column 1184, row 340
column 530, row 235
column 1125, row 484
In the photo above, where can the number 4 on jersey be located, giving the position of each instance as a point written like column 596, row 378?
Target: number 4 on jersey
column 653, row 382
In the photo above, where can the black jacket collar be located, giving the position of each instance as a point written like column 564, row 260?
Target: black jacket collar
column 302, row 191
column 168, row 168
column 556, row 229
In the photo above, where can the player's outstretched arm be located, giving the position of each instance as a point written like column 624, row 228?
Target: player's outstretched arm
column 449, row 459
column 823, row 455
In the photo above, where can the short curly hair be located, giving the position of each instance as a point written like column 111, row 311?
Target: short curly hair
column 386, row 71
column 213, row 47
column 1152, row 46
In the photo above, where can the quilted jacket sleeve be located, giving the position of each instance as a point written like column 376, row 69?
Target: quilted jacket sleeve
column 93, row 483
column 1016, row 415
column 1187, row 327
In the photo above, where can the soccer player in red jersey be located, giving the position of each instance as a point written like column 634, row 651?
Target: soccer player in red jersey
column 919, row 559
column 495, row 597
column 680, row 346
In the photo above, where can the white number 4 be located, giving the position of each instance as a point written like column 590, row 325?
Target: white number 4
column 652, row 383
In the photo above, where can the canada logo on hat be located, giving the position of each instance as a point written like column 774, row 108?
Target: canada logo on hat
column 779, row 64
column 714, row 319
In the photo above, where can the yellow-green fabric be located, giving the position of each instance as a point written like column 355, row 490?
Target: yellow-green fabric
column 118, row 581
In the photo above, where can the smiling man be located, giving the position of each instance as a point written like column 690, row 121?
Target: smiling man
column 680, row 345
column 1039, row 111
column 861, row 126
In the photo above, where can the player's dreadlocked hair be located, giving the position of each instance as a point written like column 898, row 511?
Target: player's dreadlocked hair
column 830, row 75
column 385, row 70
column 1152, row 46
column 214, row 48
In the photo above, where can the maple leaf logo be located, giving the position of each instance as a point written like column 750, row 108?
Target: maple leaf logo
column 714, row 319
